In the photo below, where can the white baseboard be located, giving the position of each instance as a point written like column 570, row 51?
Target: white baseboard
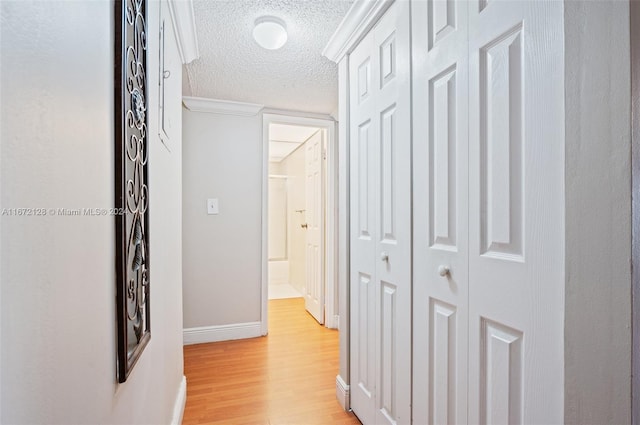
column 181, row 400
column 333, row 323
column 205, row 334
column 342, row 393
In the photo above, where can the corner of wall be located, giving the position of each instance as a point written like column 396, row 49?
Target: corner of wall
column 343, row 218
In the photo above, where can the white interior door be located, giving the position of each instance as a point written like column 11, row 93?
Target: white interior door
column 380, row 222
column 314, row 287
column 440, row 211
column 516, row 212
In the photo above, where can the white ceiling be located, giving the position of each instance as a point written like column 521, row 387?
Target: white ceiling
column 284, row 139
column 232, row 66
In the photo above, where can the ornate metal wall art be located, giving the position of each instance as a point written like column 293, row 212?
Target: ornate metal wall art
column 132, row 191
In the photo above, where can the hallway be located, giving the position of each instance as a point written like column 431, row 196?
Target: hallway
column 287, row 377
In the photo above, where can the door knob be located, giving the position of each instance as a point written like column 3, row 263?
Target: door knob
column 443, row 270
column 384, row 256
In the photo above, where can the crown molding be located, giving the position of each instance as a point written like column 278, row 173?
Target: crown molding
column 357, row 22
column 184, row 26
column 291, row 113
column 217, row 106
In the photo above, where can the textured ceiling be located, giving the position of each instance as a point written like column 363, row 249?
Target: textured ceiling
column 232, row 66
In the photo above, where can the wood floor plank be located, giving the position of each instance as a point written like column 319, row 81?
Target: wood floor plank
column 287, row 377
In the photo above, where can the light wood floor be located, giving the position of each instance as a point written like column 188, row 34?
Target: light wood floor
column 287, row 377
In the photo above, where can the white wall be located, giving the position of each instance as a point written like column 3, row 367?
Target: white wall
column 294, row 167
column 277, row 213
column 598, row 213
column 58, row 279
column 274, row 168
column 222, row 253
column 278, row 269
column 278, row 272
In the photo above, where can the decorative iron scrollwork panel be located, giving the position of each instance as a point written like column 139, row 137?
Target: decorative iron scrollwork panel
column 132, row 191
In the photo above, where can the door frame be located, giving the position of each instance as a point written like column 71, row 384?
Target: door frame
column 330, row 213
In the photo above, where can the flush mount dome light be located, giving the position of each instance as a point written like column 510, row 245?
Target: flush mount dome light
column 270, row 32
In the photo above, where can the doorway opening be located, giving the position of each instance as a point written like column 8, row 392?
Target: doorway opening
column 299, row 215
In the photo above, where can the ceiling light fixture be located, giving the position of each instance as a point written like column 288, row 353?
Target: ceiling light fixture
column 270, row 32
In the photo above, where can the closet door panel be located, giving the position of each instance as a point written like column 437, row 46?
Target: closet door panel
column 501, row 142
column 440, row 211
column 391, row 38
column 516, row 164
column 364, row 145
column 380, row 155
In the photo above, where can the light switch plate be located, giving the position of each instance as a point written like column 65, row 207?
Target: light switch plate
column 212, row 206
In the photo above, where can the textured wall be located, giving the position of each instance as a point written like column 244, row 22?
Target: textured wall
column 598, row 213
column 58, row 281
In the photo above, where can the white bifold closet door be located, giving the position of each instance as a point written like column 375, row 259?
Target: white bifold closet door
column 488, row 205
column 516, row 212
column 380, row 199
column 440, row 211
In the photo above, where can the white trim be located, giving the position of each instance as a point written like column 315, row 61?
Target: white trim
column 184, row 27
column 264, row 225
column 301, row 114
column 205, row 334
column 342, row 393
column 332, row 168
column 331, row 229
column 357, row 22
column 333, row 322
column 218, row 106
column 181, row 400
